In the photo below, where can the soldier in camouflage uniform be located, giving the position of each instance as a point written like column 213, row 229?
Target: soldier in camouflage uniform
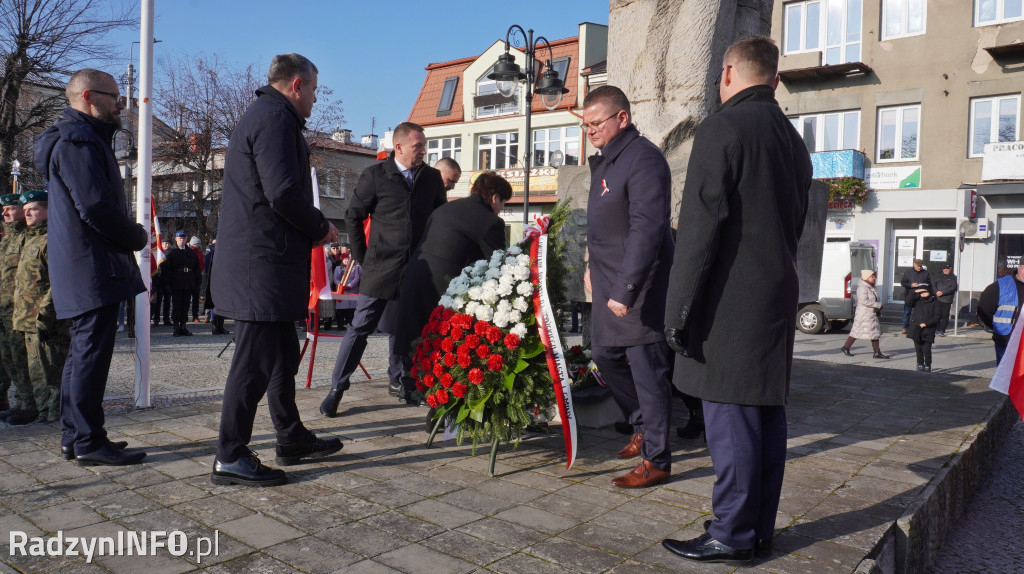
column 47, row 339
column 12, row 356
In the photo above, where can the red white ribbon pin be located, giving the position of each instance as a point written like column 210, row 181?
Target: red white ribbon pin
column 604, row 186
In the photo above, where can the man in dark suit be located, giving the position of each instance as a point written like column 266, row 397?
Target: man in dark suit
column 182, row 266
column 92, row 268
column 741, row 216
column 630, row 244
column 400, row 194
column 268, row 227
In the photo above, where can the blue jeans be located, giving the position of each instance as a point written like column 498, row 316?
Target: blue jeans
column 907, row 310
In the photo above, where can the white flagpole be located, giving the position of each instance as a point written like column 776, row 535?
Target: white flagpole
column 143, row 203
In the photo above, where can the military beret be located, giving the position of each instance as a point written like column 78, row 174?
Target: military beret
column 33, row 195
column 9, row 199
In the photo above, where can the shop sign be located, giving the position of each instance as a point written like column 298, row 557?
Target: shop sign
column 840, row 205
column 541, row 178
column 895, row 177
column 1003, row 160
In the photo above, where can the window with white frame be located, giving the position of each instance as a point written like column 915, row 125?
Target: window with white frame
column 899, row 131
column 997, row 11
column 565, row 139
column 502, row 106
column 902, row 18
column 444, row 147
column 829, row 131
column 993, row 119
column 497, row 151
column 829, row 26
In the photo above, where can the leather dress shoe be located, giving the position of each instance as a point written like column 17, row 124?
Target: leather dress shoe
column 643, row 475
column 247, row 471
column 221, row 331
column 312, row 447
column 329, row 408
column 633, row 448
column 762, row 546
column 19, row 417
column 68, row 452
column 107, row 455
column 704, row 548
column 395, row 387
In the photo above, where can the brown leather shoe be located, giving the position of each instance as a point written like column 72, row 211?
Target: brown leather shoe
column 642, row 476
column 633, row 448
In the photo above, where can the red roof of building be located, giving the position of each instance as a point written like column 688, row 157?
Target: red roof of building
column 424, row 111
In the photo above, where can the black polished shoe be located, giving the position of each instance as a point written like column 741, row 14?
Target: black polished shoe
column 68, row 452
column 394, row 387
column 247, row 471
column 694, row 426
column 186, row 332
column 221, row 331
column 846, row 351
column 107, row 455
column 879, row 355
column 329, row 408
column 762, row 546
column 20, row 417
column 927, row 368
column 289, row 454
column 704, row 548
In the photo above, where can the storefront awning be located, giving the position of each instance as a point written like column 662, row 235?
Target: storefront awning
column 992, row 189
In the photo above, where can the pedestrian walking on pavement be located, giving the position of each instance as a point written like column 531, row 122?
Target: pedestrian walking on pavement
column 945, row 287
column 913, row 278
column 999, row 307
column 923, row 322
column 865, row 319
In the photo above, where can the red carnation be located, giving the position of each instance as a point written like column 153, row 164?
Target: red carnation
column 429, row 380
column 421, row 387
column 438, row 369
column 449, row 359
column 435, row 355
column 436, row 343
column 576, row 350
column 444, row 328
column 465, row 321
column 473, row 341
column 512, row 341
column 476, row 376
column 442, row 396
column 432, row 401
column 459, row 390
column 481, row 328
column 463, row 361
column 456, row 332
column 493, row 335
column 446, row 380
column 436, row 313
column 495, row 362
column 447, row 344
column 483, row 351
column 446, row 315
column 415, row 370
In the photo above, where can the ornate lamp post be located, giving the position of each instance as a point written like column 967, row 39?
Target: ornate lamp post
column 508, row 75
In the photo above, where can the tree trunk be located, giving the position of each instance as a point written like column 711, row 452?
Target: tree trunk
column 665, row 55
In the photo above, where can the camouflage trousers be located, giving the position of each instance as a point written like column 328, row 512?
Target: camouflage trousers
column 47, row 352
column 14, row 358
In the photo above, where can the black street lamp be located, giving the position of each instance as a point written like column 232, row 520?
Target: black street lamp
column 507, row 74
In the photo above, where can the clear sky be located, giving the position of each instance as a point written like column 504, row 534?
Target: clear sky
column 372, row 54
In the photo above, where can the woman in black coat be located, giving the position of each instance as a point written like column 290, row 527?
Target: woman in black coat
column 923, row 321
column 458, row 234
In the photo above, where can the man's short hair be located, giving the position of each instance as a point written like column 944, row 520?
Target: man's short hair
column 449, row 163
column 84, row 80
column 403, row 130
column 757, row 58
column 607, row 95
column 284, row 67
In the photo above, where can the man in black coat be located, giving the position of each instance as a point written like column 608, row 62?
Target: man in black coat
column 741, row 217
column 630, row 243
column 945, row 286
column 208, row 304
column 916, row 276
column 268, row 227
column 182, row 266
column 92, row 268
column 162, row 288
column 400, row 194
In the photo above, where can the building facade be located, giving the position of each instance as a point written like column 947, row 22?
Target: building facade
column 467, row 119
column 906, row 95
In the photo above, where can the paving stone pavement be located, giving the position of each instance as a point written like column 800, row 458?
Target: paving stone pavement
column 864, row 444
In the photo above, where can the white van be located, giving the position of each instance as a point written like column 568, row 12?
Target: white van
column 841, row 263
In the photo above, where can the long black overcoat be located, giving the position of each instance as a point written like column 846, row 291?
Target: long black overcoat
column 398, row 215
column 734, row 284
column 629, row 239
column 267, row 219
column 458, row 234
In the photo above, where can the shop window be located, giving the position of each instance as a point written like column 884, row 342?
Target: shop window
column 498, row 151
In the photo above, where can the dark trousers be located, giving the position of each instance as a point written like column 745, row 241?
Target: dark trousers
column 265, row 363
column 195, row 303
column 84, row 379
column 1000, row 351
column 161, row 305
column 639, row 378
column 944, row 315
column 367, row 316
column 179, row 311
column 907, row 310
column 924, row 353
column 748, row 451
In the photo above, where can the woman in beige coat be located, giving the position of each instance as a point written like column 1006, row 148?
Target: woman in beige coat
column 865, row 319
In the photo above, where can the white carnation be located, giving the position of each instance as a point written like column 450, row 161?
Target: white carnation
column 524, row 288
column 445, row 301
column 520, row 304
column 484, row 313
column 514, row 316
column 519, row 330
column 505, row 288
column 475, row 293
column 471, row 307
column 504, row 306
column 501, row 319
column 514, row 250
column 489, row 295
column 521, row 273
column 458, row 303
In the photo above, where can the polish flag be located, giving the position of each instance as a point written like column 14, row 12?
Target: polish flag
column 157, row 255
column 1009, row 377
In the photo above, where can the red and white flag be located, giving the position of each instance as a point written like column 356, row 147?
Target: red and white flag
column 1009, row 377
column 156, row 249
